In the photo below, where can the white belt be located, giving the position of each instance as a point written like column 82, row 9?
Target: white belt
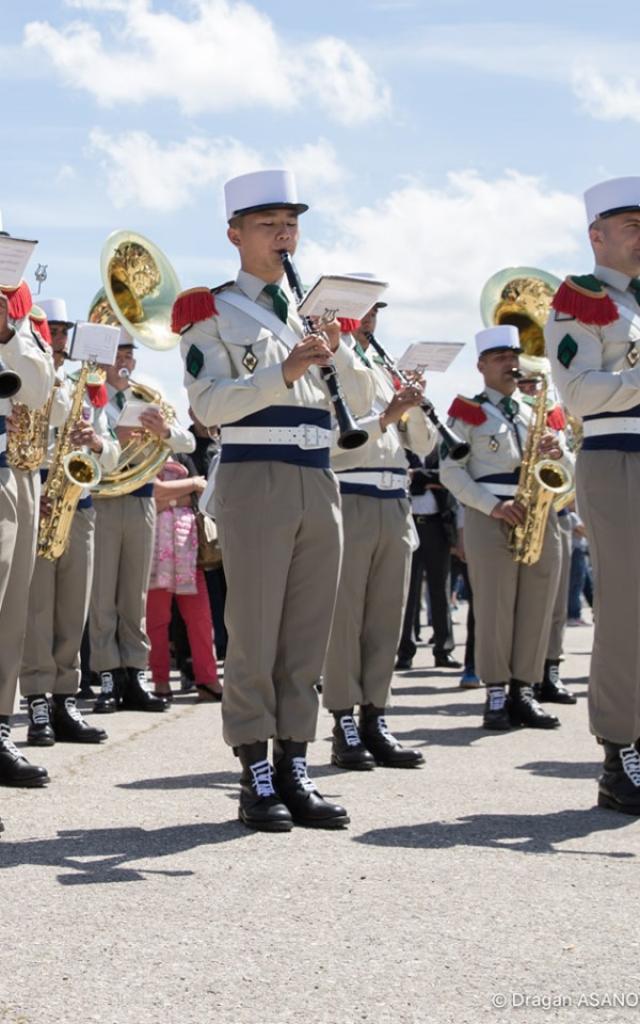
column 501, row 490
column 612, row 425
column 305, row 436
column 385, row 480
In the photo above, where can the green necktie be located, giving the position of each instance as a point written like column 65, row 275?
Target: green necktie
column 634, row 288
column 509, row 405
column 120, row 400
column 279, row 299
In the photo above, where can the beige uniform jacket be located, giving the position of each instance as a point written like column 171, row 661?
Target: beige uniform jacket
column 489, row 474
column 226, row 390
column 386, row 449
column 593, row 369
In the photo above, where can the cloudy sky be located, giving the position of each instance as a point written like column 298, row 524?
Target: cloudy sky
column 436, row 141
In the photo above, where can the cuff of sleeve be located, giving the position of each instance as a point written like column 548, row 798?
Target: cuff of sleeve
column 372, row 426
column 270, row 383
column 343, row 357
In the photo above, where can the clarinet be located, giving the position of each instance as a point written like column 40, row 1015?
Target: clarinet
column 456, row 448
column 350, row 434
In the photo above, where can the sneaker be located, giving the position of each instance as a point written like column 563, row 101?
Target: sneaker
column 469, row 680
column 577, row 622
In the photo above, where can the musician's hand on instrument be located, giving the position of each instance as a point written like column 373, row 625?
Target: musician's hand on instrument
column 153, row 421
column 403, row 400
column 126, row 435
column 550, row 446
column 198, row 484
column 313, row 351
column 331, row 330
column 510, row 511
column 46, row 506
column 83, row 435
column 6, row 330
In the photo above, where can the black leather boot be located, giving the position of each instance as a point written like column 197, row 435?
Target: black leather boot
column 347, row 748
column 107, row 701
column 68, row 724
column 15, row 770
column 619, row 784
column 552, row 690
column 136, row 695
column 39, row 733
column 525, row 710
column 386, row 749
column 298, row 792
column 260, row 806
column 496, row 709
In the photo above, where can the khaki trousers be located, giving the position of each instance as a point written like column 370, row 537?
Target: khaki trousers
column 513, row 604
column 58, row 609
column 8, row 526
column 374, row 580
column 560, row 607
column 13, row 613
column 608, row 499
column 122, row 564
column 280, row 532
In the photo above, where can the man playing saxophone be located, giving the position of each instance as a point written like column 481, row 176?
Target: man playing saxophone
column 22, row 350
column 61, row 587
column 125, row 527
column 513, row 601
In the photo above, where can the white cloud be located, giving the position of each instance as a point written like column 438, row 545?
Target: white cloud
column 228, row 55
column 437, row 247
column 608, row 98
column 142, row 172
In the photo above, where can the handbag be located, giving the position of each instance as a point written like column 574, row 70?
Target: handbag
column 209, row 553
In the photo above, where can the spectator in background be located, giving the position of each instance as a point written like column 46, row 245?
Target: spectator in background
column 580, row 577
column 174, row 572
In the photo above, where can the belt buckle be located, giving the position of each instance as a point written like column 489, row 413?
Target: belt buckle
column 387, row 480
column 310, row 437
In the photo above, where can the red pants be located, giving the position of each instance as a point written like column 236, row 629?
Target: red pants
column 196, row 612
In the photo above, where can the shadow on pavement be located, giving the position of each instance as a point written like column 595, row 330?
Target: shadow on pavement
column 524, row 833
column 563, row 769
column 100, row 855
column 203, row 780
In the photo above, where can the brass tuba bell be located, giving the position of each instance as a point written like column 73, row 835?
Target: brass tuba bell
column 521, row 296
column 140, row 288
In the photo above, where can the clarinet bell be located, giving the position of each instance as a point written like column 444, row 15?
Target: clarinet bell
column 10, row 382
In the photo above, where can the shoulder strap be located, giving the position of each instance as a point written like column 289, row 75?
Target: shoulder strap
column 262, row 316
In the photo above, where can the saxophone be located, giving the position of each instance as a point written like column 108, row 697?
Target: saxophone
column 70, row 472
column 540, row 483
column 27, row 444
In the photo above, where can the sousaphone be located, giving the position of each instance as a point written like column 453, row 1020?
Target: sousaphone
column 521, row 296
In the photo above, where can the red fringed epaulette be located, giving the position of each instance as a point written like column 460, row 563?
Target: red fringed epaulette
column 98, row 395
column 191, row 307
column 20, row 300
column 586, row 299
column 348, row 326
column 468, row 411
column 40, row 324
column 556, row 418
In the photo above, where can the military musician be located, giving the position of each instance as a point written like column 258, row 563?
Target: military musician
column 250, row 369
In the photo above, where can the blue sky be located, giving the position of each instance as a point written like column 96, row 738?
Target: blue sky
column 435, row 142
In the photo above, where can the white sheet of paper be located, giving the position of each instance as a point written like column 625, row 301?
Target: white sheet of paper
column 15, row 253
column 349, row 297
column 130, row 415
column 430, row 356
column 95, row 343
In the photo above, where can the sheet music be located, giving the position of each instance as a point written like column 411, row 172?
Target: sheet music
column 431, row 356
column 15, row 253
column 348, row 297
column 130, row 415
column 95, row 343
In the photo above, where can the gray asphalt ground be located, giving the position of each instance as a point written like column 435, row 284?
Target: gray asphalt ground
column 484, row 887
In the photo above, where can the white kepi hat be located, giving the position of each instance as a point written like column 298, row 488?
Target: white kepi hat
column 261, row 190
column 618, row 195
column 55, row 311
column 501, row 336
